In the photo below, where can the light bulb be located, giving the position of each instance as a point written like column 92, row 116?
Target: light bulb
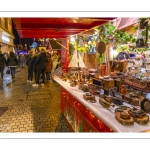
column 72, row 39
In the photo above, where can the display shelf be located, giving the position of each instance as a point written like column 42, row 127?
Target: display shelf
column 140, row 89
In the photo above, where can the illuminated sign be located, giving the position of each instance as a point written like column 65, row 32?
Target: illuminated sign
column 5, row 39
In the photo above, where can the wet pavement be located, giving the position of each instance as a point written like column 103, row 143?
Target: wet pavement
column 24, row 108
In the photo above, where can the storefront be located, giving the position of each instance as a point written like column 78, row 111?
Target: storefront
column 6, row 41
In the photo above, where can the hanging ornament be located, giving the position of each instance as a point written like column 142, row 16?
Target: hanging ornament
column 101, row 48
column 101, row 45
column 140, row 38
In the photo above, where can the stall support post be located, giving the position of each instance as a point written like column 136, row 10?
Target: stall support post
column 107, row 59
column 65, row 55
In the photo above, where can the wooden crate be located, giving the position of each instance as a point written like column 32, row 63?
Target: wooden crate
column 118, row 65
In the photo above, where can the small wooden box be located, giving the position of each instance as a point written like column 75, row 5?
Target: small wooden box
column 118, row 83
column 108, row 83
column 132, row 101
column 97, row 82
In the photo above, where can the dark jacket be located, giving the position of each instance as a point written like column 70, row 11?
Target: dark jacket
column 2, row 60
column 49, row 64
column 41, row 61
column 28, row 62
column 12, row 61
column 34, row 57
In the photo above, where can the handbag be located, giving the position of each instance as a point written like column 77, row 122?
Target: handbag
column 7, row 71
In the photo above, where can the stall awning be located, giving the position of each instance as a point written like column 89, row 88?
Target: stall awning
column 122, row 23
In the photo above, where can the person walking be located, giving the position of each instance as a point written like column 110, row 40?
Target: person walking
column 12, row 63
column 41, row 67
column 22, row 60
column 30, row 67
column 2, row 64
column 49, row 66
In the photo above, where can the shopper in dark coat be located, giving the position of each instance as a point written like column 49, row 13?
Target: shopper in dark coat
column 41, row 67
column 2, row 64
column 49, row 66
column 34, row 57
column 30, row 67
column 12, row 63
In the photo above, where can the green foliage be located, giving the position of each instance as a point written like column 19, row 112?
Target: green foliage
column 144, row 32
column 141, row 49
column 71, row 48
column 133, row 40
column 109, row 29
column 136, row 28
column 108, row 32
column 148, row 26
column 100, row 60
column 75, row 44
column 142, row 18
column 122, row 48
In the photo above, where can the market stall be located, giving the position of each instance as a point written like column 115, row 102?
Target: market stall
column 108, row 92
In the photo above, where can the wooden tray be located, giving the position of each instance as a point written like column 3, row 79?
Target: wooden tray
column 119, row 116
column 140, row 117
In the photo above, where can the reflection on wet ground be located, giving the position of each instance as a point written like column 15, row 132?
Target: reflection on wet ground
column 24, row 108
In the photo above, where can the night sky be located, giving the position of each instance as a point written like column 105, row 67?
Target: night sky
column 16, row 35
column 29, row 41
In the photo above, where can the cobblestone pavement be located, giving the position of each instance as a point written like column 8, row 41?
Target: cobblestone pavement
column 24, row 108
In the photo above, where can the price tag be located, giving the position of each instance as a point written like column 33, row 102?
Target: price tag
column 129, row 65
column 101, row 92
column 147, row 67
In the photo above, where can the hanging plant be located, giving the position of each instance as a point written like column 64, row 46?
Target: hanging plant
column 143, row 35
column 111, row 34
